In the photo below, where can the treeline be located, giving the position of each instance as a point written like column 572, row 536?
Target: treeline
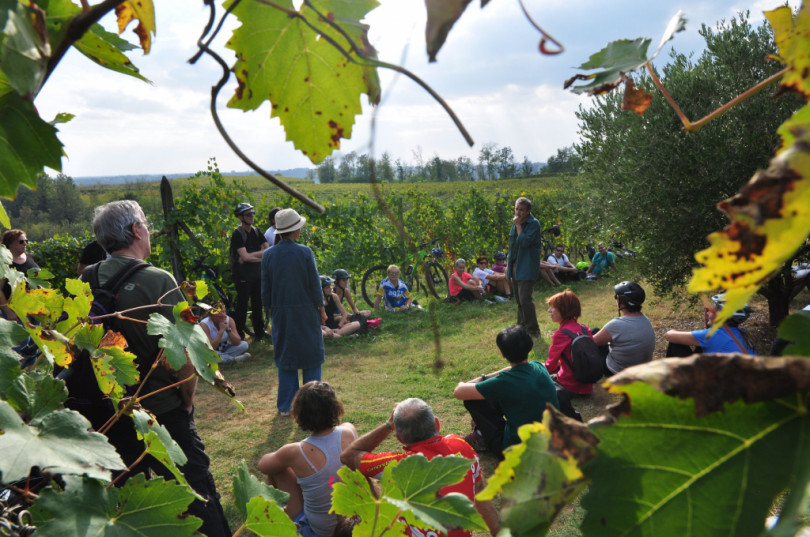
column 493, row 163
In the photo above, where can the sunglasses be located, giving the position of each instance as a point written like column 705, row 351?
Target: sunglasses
column 248, row 214
column 23, row 241
column 561, row 251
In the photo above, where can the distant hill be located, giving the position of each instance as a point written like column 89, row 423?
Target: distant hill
column 300, row 173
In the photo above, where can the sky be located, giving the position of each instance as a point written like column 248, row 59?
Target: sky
column 489, row 71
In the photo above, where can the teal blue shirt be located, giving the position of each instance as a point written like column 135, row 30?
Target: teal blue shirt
column 524, row 251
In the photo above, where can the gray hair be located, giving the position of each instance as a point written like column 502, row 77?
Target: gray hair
column 524, row 201
column 112, row 224
column 459, row 261
column 414, row 421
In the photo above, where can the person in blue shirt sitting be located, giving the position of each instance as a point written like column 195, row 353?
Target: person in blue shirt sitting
column 728, row 338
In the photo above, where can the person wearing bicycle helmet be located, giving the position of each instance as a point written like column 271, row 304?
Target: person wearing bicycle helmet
column 247, row 246
column 524, row 262
column 729, row 338
column 336, row 317
column 629, row 339
column 500, row 262
column 342, row 291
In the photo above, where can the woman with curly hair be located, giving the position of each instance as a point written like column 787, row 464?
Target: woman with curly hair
column 305, row 469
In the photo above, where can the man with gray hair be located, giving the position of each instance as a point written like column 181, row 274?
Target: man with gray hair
column 122, row 230
column 417, row 429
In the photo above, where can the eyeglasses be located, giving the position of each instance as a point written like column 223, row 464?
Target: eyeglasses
column 560, row 251
column 23, row 241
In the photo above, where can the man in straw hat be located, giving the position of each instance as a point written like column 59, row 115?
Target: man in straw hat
column 291, row 290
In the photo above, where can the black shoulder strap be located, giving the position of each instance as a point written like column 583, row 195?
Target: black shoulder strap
column 90, row 275
column 583, row 330
column 573, row 336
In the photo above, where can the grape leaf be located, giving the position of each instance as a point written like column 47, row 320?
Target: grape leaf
column 60, row 443
column 144, row 12
column 353, row 496
column 25, row 50
column 414, row 487
column 796, row 328
column 792, row 37
column 45, row 303
column 441, row 16
column 181, row 337
column 76, row 306
column 27, row 144
column 35, row 395
column 246, row 486
column 4, row 219
column 266, row 519
column 541, row 475
column 9, row 361
column 155, row 508
column 713, row 380
column 770, row 219
column 113, row 366
column 313, row 89
column 160, row 444
column 11, row 334
column 619, row 58
column 663, row 471
column 106, row 49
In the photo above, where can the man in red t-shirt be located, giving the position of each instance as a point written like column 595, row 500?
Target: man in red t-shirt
column 417, row 429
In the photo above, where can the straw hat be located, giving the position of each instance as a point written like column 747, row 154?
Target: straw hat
column 288, row 220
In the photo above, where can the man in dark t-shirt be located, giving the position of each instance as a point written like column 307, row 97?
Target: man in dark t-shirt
column 247, row 245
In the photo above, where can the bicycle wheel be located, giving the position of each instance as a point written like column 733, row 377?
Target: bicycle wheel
column 371, row 282
column 439, row 278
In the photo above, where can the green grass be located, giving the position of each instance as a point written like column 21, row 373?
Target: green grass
column 397, row 361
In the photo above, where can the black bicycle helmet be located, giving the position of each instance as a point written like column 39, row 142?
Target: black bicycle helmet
column 341, row 274
column 555, row 230
column 740, row 316
column 437, row 252
column 631, row 291
column 242, row 208
column 499, row 256
column 326, row 281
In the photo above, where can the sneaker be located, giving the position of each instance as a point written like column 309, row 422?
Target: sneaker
column 283, row 413
column 500, row 299
column 488, row 301
column 242, row 358
column 476, row 441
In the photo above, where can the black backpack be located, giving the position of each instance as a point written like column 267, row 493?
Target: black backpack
column 104, row 296
column 79, row 377
column 584, row 357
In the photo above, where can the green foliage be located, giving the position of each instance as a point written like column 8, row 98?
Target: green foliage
column 246, row 486
column 796, row 329
column 646, row 177
column 409, row 490
column 663, row 470
column 184, row 340
column 86, row 507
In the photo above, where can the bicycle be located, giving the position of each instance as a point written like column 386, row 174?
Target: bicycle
column 546, row 247
column 422, row 261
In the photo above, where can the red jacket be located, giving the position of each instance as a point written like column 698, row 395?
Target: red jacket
column 560, row 343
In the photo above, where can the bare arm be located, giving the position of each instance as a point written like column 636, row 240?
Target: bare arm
column 250, row 257
column 353, row 455
column 602, row 337
column 679, row 336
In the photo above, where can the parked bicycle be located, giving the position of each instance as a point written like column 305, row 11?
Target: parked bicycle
column 413, row 269
column 547, row 247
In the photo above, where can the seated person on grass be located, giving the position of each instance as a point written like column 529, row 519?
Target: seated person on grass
column 730, row 337
column 500, row 263
column 564, row 308
column 547, row 273
column 224, row 338
column 491, row 281
column 336, row 317
column 342, row 291
column 563, row 269
column 394, row 294
column 629, row 339
column 463, row 285
column 306, row 469
column 502, row 401
column 602, row 261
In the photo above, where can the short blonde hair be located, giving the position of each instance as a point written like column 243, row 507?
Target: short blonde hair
column 390, row 268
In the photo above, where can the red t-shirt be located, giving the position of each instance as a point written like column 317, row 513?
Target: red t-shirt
column 456, row 288
column 373, row 463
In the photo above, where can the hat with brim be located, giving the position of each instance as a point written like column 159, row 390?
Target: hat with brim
column 288, row 220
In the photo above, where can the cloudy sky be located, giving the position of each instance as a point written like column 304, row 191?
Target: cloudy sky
column 489, row 71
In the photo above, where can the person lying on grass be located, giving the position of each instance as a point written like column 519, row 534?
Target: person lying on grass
column 305, row 469
column 394, row 294
column 500, row 402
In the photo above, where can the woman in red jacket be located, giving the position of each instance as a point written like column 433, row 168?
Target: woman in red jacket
column 564, row 308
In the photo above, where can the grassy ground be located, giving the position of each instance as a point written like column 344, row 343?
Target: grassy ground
column 401, row 360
